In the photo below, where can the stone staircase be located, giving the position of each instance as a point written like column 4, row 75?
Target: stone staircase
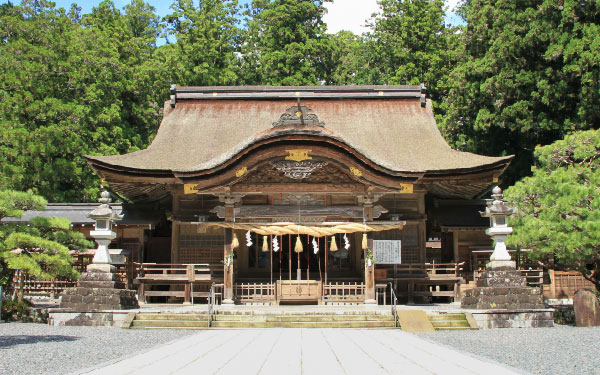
column 232, row 320
column 452, row 321
column 169, row 320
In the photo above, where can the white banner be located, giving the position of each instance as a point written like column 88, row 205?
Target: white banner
column 387, row 252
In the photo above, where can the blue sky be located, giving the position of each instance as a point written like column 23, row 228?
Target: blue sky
column 342, row 14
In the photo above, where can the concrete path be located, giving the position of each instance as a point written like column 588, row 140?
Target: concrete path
column 302, row 351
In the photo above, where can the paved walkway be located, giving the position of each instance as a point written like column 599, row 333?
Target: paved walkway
column 302, row 351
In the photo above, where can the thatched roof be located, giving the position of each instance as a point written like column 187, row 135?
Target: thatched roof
column 393, row 126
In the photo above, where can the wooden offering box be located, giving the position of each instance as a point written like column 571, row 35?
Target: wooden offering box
column 309, row 291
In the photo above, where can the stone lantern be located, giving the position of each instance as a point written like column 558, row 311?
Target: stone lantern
column 104, row 216
column 501, row 286
column 498, row 212
column 100, row 289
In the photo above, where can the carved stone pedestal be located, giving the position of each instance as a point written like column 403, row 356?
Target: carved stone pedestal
column 503, row 289
column 99, row 289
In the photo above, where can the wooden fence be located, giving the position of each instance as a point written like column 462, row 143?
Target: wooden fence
column 344, row 292
column 186, row 281
column 33, row 286
column 564, row 284
column 255, row 293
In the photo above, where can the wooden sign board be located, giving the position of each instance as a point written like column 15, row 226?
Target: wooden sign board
column 387, row 251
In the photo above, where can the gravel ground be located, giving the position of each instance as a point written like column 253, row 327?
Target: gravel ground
column 28, row 348
column 558, row 350
column 41, row 349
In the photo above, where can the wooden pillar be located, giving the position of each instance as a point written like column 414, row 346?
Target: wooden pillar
column 175, row 229
column 455, row 246
column 227, row 250
column 227, row 269
column 369, row 278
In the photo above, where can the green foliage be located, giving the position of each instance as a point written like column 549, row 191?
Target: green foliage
column 529, row 74
column 410, row 44
column 207, row 42
column 14, row 203
column 558, row 209
column 40, row 248
column 14, row 310
column 72, row 85
column 285, row 43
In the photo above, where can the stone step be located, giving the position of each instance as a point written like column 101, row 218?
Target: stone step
column 330, row 324
column 450, row 328
column 444, row 322
column 170, row 323
column 444, row 317
column 451, row 324
column 162, row 316
column 303, row 318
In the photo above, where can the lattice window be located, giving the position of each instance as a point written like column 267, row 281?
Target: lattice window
column 200, row 249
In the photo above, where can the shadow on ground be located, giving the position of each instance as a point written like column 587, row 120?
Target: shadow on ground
column 8, row 341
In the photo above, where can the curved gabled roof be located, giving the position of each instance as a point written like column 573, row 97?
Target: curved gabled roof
column 393, row 126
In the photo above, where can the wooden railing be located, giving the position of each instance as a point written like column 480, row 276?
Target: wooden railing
column 34, row 286
column 183, row 280
column 344, row 292
column 442, row 270
column 255, row 292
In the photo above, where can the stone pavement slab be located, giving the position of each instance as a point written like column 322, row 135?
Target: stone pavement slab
column 302, row 351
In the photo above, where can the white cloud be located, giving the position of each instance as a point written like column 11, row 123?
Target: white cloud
column 349, row 15
column 352, row 14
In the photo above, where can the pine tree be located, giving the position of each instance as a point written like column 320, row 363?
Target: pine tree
column 558, row 207
column 40, row 248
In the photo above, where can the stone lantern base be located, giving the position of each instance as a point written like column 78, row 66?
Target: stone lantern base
column 503, row 289
column 99, row 289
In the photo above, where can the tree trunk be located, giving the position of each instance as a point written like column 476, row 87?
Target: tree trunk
column 21, row 286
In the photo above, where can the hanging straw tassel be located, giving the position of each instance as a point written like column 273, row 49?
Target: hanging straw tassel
column 333, row 246
column 298, row 248
column 235, row 243
column 365, row 244
column 265, row 246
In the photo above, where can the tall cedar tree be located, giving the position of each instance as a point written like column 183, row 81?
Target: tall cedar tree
column 409, row 44
column 206, row 51
column 285, row 43
column 72, row 85
column 529, row 74
column 558, row 207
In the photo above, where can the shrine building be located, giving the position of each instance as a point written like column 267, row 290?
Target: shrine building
column 311, row 194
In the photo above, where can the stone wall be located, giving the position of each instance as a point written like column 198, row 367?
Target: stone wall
column 514, row 319
column 64, row 317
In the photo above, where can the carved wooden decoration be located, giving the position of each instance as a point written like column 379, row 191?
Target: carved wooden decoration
column 328, row 174
column 298, row 170
column 298, row 115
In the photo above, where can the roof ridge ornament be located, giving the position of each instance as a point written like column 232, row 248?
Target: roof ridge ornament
column 298, row 115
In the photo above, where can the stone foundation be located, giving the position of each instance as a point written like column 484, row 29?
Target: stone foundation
column 99, row 289
column 514, row 319
column 503, row 289
column 67, row 317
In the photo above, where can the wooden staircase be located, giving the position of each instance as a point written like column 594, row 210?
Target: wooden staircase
column 233, row 320
column 452, row 321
